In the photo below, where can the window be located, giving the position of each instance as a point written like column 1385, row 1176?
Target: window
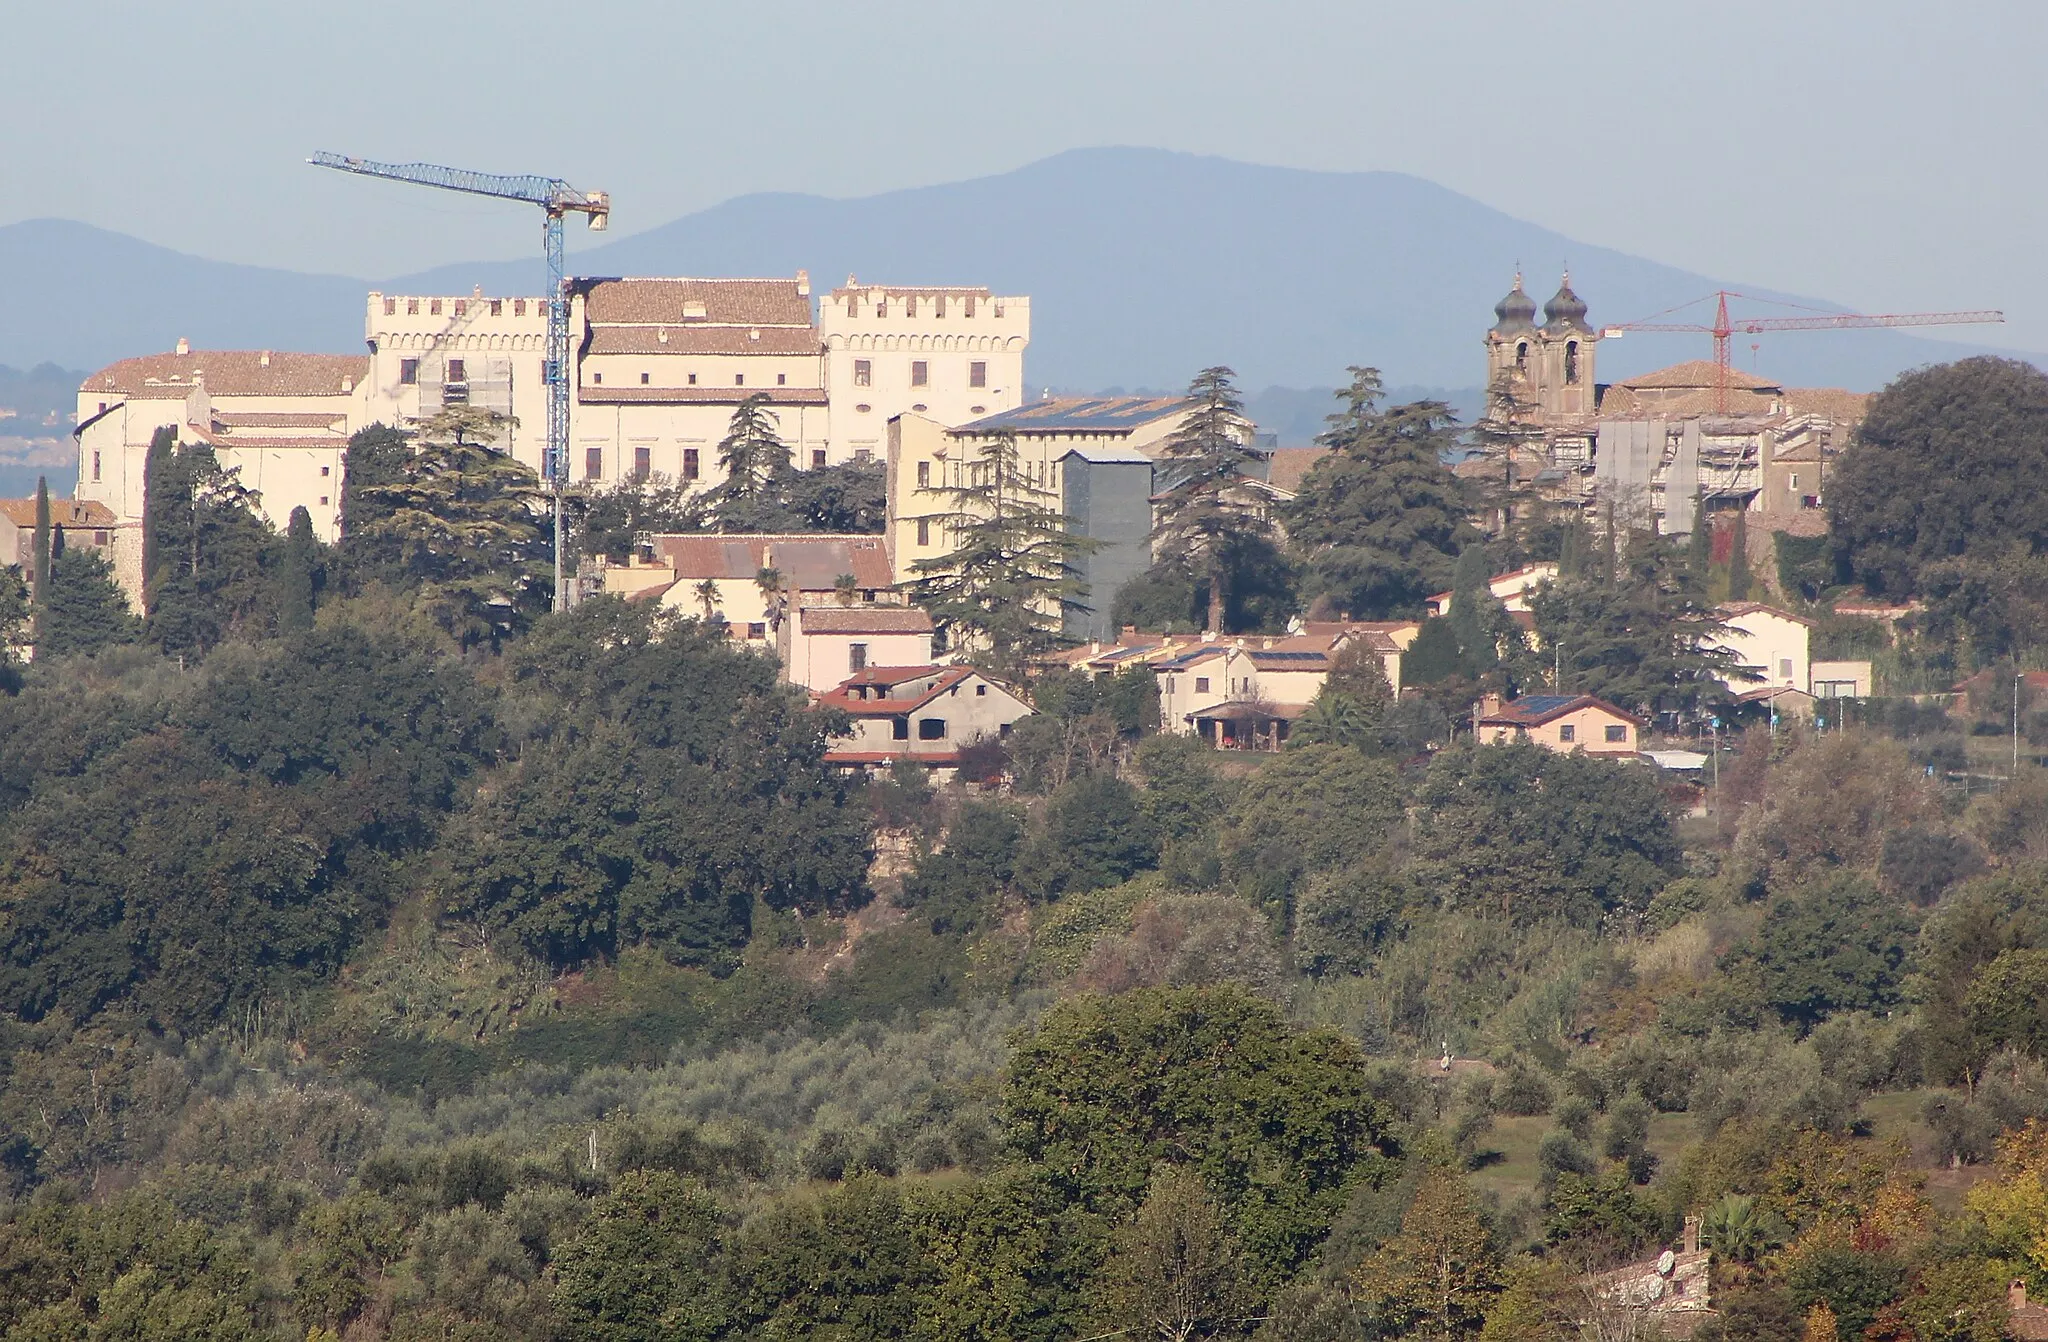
column 924, row 531
column 593, row 463
column 95, row 465
column 1794, row 483
column 497, row 307
column 881, row 307
column 100, row 537
column 782, row 379
column 1566, row 732
column 817, row 458
column 462, row 307
column 693, row 379
column 412, row 307
column 1201, row 684
column 1522, row 355
column 326, row 470
column 643, row 462
column 519, row 307
column 924, row 475
column 1571, row 362
column 857, row 656
column 739, row 379
column 645, row 378
column 323, row 500
column 863, row 373
column 757, row 629
column 103, row 407
column 981, row 691
column 690, row 463
column 391, row 307
column 458, row 371
column 1785, row 667
column 931, row 729
column 434, row 308
column 899, row 728
column 977, row 374
column 863, row 455
column 920, row 373
column 1617, row 733
column 408, row 372
column 597, row 379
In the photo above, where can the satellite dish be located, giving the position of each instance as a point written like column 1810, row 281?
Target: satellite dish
column 1666, row 1261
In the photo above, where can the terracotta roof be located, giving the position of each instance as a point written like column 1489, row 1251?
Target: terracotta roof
column 1844, row 407
column 1697, row 373
column 809, row 563
column 891, row 675
column 1291, row 466
column 1735, row 609
column 700, row 339
column 1625, row 403
column 1533, row 710
column 1801, row 522
column 946, row 678
column 724, row 301
column 237, row 372
column 590, row 395
column 63, row 512
column 865, row 620
column 262, row 419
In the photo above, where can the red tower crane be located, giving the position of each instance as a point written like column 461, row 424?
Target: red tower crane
column 1813, row 320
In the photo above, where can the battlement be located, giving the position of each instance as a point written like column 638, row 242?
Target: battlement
column 471, row 321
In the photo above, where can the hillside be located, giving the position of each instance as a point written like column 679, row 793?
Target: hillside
column 1143, row 265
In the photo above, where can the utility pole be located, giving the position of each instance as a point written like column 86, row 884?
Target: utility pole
column 2016, row 723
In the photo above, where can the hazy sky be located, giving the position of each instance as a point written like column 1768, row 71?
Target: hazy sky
column 1880, row 153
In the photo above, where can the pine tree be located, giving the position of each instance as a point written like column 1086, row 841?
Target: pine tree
column 1470, row 598
column 1610, row 549
column 87, row 610
column 41, row 558
column 1738, row 558
column 211, row 550
column 752, row 454
column 1010, row 579
column 1201, row 523
column 297, row 575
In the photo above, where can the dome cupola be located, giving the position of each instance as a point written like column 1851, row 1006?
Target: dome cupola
column 1516, row 312
column 1565, row 311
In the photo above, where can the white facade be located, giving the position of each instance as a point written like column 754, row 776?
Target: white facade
column 948, row 354
column 1771, row 642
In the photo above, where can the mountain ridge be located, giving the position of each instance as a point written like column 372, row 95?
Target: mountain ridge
column 1142, row 265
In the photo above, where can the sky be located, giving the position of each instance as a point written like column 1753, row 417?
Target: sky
column 1880, row 153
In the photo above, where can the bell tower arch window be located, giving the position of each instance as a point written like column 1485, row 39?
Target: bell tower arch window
column 1522, row 355
column 1571, row 362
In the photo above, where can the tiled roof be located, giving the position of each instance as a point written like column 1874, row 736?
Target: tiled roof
column 946, row 678
column 1735, row 609
column 891, row 675
column 1080, row 414
column 1533, row 710
column 236, row 372
column 728, row 302
column 63, row 512
column 590, row 395
column 695, row 338
column 808, row 563
column 1291, row 466
column 867, row 619
column 1697, row 373
column 263, row 419
column 1844, row 407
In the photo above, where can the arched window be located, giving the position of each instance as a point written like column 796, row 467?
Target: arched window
column 1522, row 355
column 1571, row 362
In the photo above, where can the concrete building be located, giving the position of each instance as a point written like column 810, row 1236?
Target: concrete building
column 1770, row 642
column 926, row 714
column 281, row 421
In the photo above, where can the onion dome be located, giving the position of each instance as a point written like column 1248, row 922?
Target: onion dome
column 1516, row 312
column 1565, row 311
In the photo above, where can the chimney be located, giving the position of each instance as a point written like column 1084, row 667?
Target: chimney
column 184, row 345
column 1692, row 1238
column 803, row 283
column 1489, row 704
column 2016, row 1294
column 265, row 359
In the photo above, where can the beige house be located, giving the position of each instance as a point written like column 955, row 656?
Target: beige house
column 279, row 421
column 75, row 525
column 1842, row 680
column 1563, row 723
column 923, row 713
column 1772, row 643
column 825, row 645
column 1512, row 590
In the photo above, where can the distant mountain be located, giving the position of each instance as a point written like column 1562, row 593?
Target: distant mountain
column 1142, row 266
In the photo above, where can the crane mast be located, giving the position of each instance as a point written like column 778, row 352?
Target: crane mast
column 557, row 200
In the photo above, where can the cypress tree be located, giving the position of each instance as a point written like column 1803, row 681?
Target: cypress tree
column 1467, row 614
column 297, row 575
column 162, row 444
column 1738, row 559
column 40, row 593
column 1610, row 553
column 1700, row 555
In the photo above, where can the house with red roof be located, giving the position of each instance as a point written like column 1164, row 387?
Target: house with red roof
column 1563, row 723
column 926, row 714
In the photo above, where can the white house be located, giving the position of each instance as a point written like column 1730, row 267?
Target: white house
column 1772, row 643
column 921, row 713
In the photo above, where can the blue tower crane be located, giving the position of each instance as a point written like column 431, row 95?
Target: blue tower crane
column 558, row 199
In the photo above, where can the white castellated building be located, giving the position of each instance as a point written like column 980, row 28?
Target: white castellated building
column 660, row 365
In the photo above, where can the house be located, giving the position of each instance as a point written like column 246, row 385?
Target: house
column 825, row 645
column 1562, row 722
column 1512, row 589
column 74, row 525
column 1674, row 1289
column 1841, row 680
column 1199, row 679
column 718, row 577
column 926, row 714
column 1770, row 642
column 2024, row 1321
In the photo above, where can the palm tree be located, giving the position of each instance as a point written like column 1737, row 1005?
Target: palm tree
column 707, row 596
column 769, row 580
column 1737, row 1229
column 1333, row 719
column 846, row 588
